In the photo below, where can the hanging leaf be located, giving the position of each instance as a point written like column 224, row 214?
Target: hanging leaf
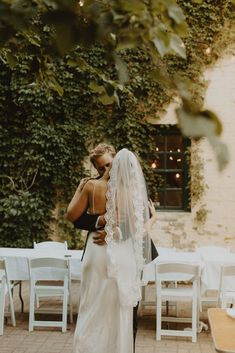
column 11, row 60
column 106, row 100
column 96, row 88
column 121, row 68
column 176, row 13
column 204, row 124
column 177, row 45
column 134, row 6
column 52, row 83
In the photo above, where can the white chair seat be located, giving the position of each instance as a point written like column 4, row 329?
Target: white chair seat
column 179, row 293
column 47, row 291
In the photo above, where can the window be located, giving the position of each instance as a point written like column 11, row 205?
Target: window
column 171, row 164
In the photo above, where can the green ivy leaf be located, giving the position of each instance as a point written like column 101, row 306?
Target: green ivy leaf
column 96, row 88
column 134, row 6
column 53, row 83
column 106, row 100
column 11, row 60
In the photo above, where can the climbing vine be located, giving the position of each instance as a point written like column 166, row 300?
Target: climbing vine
column 48, row 125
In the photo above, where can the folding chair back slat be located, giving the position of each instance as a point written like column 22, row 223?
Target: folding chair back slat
column 5, row 289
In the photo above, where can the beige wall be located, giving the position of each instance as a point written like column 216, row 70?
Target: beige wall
column 179, row 229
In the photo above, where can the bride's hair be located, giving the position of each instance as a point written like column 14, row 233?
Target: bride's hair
column 100, row 150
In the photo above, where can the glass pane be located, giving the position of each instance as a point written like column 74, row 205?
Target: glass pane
column 174, row 143
column 174, row 161
column 174, row 180
column 160, row 143
column 160, row 161
column 174, row 198
column 160, row 199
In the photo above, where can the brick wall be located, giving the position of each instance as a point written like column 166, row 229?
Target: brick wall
column 179, row 229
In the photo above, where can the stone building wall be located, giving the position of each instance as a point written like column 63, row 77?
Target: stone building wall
column 179, row 229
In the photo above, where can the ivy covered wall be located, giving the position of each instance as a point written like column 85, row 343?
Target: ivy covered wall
column 46, row 130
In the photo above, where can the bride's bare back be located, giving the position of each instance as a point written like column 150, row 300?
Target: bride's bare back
column 97, row 196
column 92, row 198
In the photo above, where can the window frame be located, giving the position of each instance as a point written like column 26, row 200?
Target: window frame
column 166, row 131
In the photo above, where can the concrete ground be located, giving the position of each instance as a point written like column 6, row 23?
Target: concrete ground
column 52, row 340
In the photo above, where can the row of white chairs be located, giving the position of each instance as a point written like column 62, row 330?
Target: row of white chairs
column 56, row 285
column 165, row 293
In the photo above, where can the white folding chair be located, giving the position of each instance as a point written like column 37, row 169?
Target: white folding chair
column 48, row 269
column 51, row 245
column 151, row 276
column 5, row 289
column 225, row 294
column 180, row 272
column 216, row 251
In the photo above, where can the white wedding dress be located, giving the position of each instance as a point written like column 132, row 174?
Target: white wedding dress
column 103, row 324
column 110, row 282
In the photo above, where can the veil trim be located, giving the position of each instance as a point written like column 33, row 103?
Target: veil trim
column 129, row 293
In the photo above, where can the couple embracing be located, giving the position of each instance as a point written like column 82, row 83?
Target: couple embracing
column 114, row 208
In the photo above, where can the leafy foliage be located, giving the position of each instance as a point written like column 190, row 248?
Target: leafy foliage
column 53, row 107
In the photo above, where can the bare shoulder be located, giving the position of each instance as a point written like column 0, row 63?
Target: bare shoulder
column 90, row 184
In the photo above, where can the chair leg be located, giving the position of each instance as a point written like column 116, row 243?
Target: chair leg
column 65, row 308
column 158, row 318
column 2, row 305
column 70, row 303
column 37, row 301
column 31, row 307
column 12, row 309
column 70, row 308
column 194, row 318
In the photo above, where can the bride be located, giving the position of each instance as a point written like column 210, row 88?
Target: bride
column 111, row 274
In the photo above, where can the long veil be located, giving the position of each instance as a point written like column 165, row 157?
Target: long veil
column 126, row 214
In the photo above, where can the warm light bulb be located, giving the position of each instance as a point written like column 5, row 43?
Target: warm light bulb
column 154, row 165
column 179, row 160
column 177, row 175
column 157, row 149
column 171, row 158
column 178, row 150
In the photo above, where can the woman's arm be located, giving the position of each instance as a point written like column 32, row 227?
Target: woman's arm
column 79, row 202
column 153, row 214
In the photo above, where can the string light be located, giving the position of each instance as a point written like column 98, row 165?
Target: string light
column 177, row 175
column 178, row 150
column 171, row 158
column 179, row 160
column 154, row 165
column 157, row 149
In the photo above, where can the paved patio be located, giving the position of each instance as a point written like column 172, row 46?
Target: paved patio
column 52, row 340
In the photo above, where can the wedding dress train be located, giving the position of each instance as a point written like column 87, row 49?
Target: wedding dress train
column 103, row 324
